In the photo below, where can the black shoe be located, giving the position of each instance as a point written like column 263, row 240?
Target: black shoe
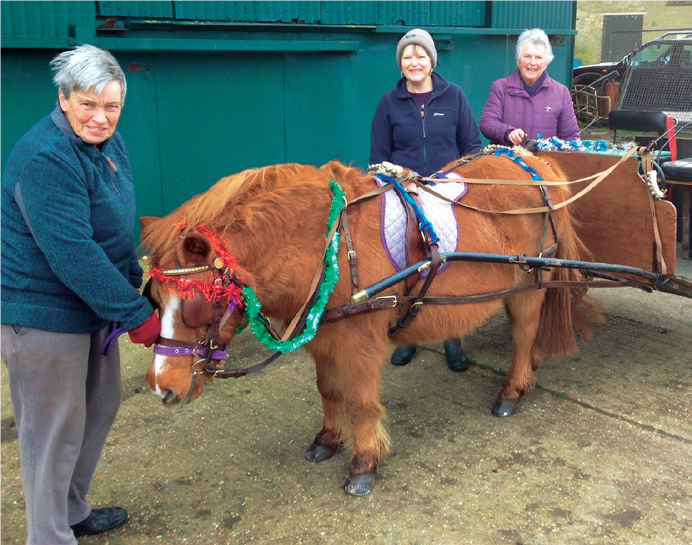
column 456, row 360
column 403, row 354
column 100, row 520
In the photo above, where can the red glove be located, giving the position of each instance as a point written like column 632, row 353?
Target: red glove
column 148, row 332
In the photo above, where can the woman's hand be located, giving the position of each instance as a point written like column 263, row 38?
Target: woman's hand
column 516, row 137
column 148, row 332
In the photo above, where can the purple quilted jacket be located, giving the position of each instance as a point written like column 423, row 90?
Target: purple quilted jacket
column 547, row 113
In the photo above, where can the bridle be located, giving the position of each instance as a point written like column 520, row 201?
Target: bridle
column 209, row 348
column 225, row 294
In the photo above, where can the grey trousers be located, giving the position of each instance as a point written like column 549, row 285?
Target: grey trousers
column 65, row 396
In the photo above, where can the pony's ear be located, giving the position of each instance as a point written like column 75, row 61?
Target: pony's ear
column 196, row 248
column 146, row 223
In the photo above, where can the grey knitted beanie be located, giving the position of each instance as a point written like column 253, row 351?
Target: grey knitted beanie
column 420, row 37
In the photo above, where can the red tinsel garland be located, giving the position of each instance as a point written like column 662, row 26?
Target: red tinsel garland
column 212, row 291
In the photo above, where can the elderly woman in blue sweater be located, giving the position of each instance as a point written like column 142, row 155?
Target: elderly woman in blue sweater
column 424, row 123
column 69, row 268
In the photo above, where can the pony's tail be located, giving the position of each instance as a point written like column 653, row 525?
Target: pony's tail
column 566, row 312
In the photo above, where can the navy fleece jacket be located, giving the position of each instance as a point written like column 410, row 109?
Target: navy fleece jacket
column 399, row 134
column 69, row 261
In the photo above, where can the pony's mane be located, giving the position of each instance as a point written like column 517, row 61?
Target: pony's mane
column 235, row 201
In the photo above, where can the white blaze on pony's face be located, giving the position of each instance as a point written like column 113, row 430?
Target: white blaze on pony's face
column 167, row 331
column 170, row 377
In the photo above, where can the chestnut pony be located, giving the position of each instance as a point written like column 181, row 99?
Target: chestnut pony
column 269, row 226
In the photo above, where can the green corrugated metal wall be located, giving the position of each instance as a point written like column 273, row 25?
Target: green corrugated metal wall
column 217, row 87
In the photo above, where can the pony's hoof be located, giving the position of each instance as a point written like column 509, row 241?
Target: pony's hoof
column 359, row 485
column 504, row 408
column 319, row 453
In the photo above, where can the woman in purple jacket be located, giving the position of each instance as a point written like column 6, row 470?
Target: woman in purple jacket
column 529, row 104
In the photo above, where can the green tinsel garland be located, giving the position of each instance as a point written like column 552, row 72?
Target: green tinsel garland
column 331, row 277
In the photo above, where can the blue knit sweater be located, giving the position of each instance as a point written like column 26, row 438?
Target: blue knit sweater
column 69, row 261
column 448, row 131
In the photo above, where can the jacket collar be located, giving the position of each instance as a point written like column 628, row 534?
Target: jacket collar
column 439, row 86
column 61, row 121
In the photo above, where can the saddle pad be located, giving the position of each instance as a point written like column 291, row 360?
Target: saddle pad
column 438, row 212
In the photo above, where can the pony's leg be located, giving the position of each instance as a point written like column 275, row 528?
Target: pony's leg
column 349, row 369
column 335, row 427
column 524, row 311
column 364, row 362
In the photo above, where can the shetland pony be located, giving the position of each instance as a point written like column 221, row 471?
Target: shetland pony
column 272, row 223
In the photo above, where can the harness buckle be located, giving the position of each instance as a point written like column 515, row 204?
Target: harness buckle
column 392, row 299
column 351, row 255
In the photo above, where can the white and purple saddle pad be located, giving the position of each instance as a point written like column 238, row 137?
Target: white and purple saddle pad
column 438, row 212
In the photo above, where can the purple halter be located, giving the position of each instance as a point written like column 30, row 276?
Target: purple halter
column 200, row 349
column 216, row 355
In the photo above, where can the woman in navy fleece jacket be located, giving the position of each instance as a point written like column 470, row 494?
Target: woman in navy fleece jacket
column 422, row 124
column 69, row 267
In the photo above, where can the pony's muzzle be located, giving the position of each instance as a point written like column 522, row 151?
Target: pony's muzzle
column 168, row 397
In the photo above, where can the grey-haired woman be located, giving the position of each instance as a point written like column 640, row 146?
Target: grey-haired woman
column 529, row 103
column 69, row 269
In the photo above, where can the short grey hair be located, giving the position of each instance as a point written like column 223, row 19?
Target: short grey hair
column 84, row 67
column 537, row 37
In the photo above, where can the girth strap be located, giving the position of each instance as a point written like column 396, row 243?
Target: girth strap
column 417, row 303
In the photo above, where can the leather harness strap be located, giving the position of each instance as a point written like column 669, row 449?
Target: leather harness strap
column 417, row 302
column 352, row 258
column 392, row 301
column 597, row 179
column 413, row 243
column 376, row 303
column 647, row 167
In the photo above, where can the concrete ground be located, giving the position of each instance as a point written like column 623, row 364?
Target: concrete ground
column 599, row 453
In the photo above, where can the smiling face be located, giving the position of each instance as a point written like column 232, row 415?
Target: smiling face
column 532, row 63
column 416, row 64
column 93, row 117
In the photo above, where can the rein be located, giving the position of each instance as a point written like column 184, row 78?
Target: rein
column 597, row 179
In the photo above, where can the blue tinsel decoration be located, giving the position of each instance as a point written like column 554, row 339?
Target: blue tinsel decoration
column 425, row 225
column 518, row 160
